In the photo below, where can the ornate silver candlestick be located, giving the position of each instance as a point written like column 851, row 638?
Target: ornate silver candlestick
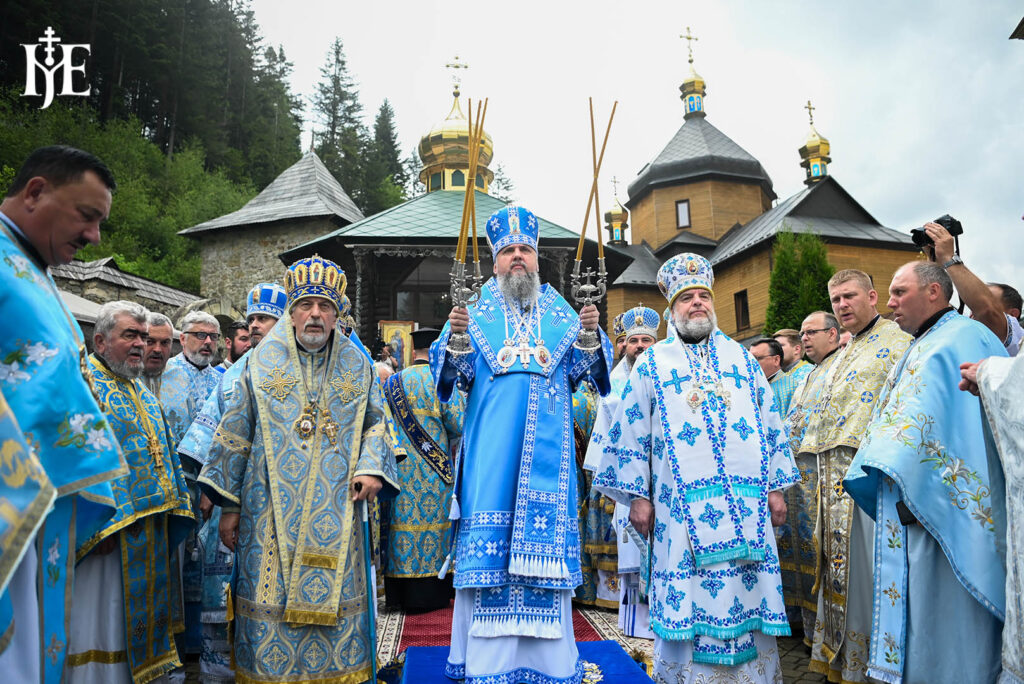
column 585, row 292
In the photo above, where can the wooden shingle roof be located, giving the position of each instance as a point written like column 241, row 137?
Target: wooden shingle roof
column 306, row 189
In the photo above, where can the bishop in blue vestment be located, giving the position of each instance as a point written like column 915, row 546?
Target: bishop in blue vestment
column 517, row 544
column 305, row 425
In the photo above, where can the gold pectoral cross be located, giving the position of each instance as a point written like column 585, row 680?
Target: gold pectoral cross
column 330, row 429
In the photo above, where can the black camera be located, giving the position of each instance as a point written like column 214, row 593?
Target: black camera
column 952, row 226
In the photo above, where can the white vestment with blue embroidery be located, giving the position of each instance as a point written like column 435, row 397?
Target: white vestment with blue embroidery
column 715, row 578
column 517, row 545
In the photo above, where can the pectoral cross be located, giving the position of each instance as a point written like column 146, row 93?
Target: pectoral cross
column 155, row 452
column 525, row 351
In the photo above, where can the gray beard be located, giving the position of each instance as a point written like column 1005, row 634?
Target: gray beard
column 696, row 329
column 196, row 359
column 122, row 370
column 522, row 288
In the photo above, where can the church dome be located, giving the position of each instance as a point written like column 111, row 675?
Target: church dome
column 445, row 154
column 692, row 93
column 814, row 152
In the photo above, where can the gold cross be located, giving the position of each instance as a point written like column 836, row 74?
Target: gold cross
column 689, row 37
column 276, row 657
column 455, row 65
column 279, row 384
column 348, row 386
column 810, row 111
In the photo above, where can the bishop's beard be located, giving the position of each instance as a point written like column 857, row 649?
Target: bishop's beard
column 695, row 329
column 521, row 287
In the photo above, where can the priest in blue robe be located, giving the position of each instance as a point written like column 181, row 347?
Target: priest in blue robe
column 123, row 613
column 923, row 473
column 187, row 380
column 53, row 208
column 418, row 530
column 265, row 304
column 696, row 451
column 517, row 544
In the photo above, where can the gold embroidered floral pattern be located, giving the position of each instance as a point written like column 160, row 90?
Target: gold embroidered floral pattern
column 893, row 593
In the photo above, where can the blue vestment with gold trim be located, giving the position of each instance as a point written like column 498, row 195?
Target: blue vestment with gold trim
column 300, row 595
column 44, row 379
column 153, row 516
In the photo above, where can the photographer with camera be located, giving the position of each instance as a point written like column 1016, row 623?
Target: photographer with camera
column 986, row 305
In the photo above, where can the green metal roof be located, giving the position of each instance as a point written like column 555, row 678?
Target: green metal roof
column 433, row 217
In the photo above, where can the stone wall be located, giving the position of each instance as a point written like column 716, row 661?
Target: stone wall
column 235, row 259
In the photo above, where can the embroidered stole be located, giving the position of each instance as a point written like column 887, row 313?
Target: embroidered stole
column 312, row 512
column 426, row 446
column 722, row 510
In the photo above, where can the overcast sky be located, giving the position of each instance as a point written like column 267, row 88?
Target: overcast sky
column 922, row 102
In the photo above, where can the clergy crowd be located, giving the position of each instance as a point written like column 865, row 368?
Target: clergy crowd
column 249, row 511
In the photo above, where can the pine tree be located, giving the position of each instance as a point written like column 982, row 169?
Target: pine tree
column 815, row 270
column 784, row 286
column 799, row 280
column 341, row 139
column 384, row 176
column 502, row 186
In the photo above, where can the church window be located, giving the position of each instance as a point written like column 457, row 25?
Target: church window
column 683, row 213
column 458, row 179
column 739, row 301
column 435, row 181
column 480, row 181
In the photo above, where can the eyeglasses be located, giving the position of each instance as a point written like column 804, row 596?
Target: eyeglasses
column 203, row 336
column 808, row 333
column 766, row 356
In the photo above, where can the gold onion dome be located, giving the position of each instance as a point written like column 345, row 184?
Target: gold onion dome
column 816, row 145
column 444, row 152
column 617, row 214
column 693, row 88
column 814, row 152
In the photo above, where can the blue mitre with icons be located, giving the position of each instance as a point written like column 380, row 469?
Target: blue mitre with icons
column 640, row 320
column 685, row 272
column 512, row 225
column 617, row 330
column 315, row 277
column 266, row 298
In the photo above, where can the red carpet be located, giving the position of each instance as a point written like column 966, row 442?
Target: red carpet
column 435, row 629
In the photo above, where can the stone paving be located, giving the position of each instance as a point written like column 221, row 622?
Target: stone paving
column 795, row 658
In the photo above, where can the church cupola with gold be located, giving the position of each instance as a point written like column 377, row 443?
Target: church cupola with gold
column 814, row 153
column 444, row 151
column 701, row 183
column 693, row 88
column 616, row 221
